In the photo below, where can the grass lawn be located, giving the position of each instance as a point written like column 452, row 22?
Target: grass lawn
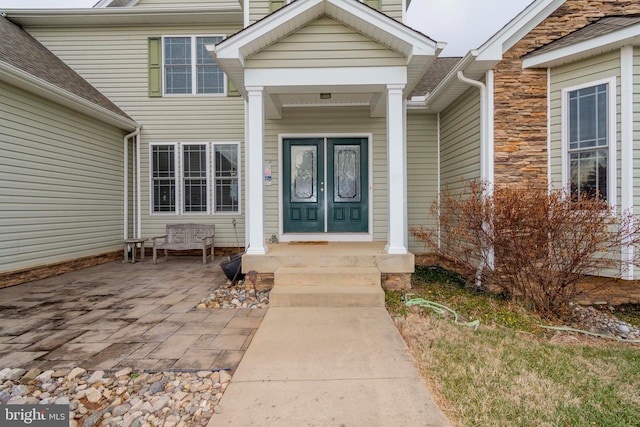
column 510, row 372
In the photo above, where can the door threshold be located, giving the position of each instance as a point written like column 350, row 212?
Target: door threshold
column 327, row 237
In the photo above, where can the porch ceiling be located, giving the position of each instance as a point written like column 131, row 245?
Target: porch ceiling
column 418, row 50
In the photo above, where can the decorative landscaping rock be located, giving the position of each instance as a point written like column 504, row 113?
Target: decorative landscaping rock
column 603, row 323
column 235, row 295
column 182, row 399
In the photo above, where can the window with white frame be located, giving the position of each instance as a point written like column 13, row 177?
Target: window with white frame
column 186, row 179
column 588, row 141
column 189, row 68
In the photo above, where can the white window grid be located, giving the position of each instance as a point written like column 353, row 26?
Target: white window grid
column 210, row 179
column 611, row 135
column 194, row 67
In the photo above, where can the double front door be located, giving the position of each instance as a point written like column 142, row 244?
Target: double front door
column 325, row 185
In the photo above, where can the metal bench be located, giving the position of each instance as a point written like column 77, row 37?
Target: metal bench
column 182, row 237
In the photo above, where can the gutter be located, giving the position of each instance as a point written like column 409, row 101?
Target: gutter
column 486, row 157
column 125, row 141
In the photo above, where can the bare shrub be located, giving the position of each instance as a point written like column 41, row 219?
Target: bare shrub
column 529, row 242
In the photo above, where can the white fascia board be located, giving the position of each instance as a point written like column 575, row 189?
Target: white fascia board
column 420, row 44
column 23, row 80
column 228, row 12
column 628, row 36
column 232, row 46
column 351, row 76
column 413, row 42
column 517, row 28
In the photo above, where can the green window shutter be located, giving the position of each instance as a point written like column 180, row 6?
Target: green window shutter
column 155, row 66
column 373, row 3
column 232, row 90
column 276, row 4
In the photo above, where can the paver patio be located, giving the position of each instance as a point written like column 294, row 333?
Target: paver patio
column 118, row 315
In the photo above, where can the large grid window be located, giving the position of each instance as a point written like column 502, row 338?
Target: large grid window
column 226, row 177
column 194, row 177
column 189, row 68
column 163, row 178
column 186, row 180
column 588, row 145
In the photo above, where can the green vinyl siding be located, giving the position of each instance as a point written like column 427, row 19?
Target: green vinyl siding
column 460, row 141
column 579, row 73
column 115, row 61
column 325, row 43
column 61, row 175
column 422, row 172
column 328, row 121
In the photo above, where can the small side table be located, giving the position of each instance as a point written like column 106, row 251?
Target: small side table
column 126, row 243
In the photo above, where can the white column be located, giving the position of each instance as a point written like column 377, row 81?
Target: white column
column 626, row 150
column 254, row 164
column 397, row 166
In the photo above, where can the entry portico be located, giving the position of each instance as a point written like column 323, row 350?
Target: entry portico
column 357, row 58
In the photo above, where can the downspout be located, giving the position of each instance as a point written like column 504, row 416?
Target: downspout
column 137, row 187
column 486, row 162
column 126, row 180
column 438, row 181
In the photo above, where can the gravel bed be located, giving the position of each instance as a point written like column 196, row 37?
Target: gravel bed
column 123, row 398
column 600, row 322
column 235, row 295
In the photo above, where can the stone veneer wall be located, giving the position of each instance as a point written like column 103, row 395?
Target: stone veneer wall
column 520, row 97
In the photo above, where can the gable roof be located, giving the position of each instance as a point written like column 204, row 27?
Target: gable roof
column 607, row 33
column 478, row 61
column 419, row 49
column 26, row 63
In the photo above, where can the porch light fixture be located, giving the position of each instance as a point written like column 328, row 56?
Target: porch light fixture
column 325, row 96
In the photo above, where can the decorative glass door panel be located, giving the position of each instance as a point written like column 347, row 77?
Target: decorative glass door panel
column 348, row 180
column 304, row 173
column 303, row 189
column 340, row 206
column 346, row 173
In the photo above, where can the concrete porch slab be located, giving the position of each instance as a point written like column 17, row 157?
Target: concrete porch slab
column 335, row 254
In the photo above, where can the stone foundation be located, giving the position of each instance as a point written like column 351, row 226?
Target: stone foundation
column 263, row 281
column 49, row 270
column 396, row 281
column 594, row 290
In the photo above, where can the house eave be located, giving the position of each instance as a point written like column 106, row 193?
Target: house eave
column 221, row 13
column 629, row 36
column 28, row 82
column 450, row 88
column 419, row 50
column 516, row 29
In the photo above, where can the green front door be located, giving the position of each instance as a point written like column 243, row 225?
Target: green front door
column 325, row 193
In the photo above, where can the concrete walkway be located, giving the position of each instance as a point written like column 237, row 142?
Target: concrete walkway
column 327, row 367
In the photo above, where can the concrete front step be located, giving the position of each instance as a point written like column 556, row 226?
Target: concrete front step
column 326, row 296
column 318, row 276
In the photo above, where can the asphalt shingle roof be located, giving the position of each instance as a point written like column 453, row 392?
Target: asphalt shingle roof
column 434, row 75
column 20, row 50
column 598, row 28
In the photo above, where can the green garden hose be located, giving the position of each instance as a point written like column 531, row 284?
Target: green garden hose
column 580, row 331
column 438, row 308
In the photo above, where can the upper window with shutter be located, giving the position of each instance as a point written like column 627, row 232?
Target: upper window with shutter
column 181, row 65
